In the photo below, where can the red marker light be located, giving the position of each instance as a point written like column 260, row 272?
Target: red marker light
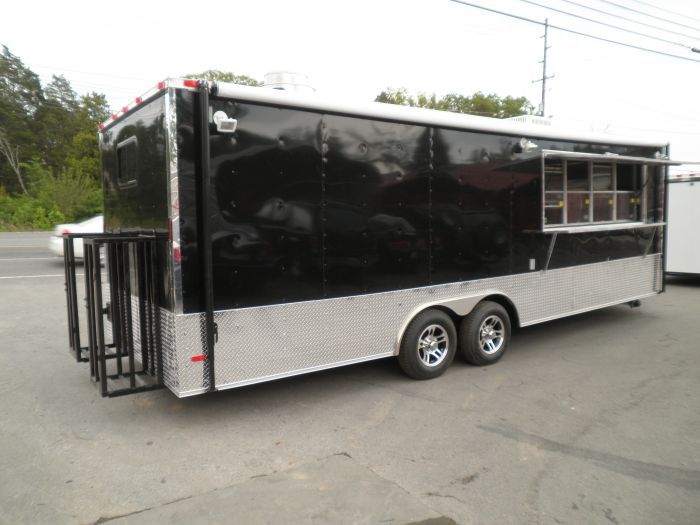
column 160, row 85
column 197, row 358
column 125, row 109
column 138, row 100
column 177, row 255
column 188, row 82
column 115, row 116
column 101, row 126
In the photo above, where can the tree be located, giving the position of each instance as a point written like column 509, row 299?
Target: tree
column 49, row 155
column 225, row 76
column 20, row 98
column 490, row 105
column 58, row 123
column 93, row 110
column 83, row 152
column 11, row 153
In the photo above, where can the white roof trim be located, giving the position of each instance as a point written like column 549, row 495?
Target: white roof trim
column 421, row 116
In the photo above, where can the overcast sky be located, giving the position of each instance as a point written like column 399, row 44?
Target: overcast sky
column 354, row 49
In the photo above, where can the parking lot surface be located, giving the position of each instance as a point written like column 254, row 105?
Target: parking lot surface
column 589, row 419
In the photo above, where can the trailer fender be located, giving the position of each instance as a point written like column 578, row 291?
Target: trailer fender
column 459, row 306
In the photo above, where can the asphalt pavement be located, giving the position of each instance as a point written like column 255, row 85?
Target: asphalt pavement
column 589, row 419
column 26, row 255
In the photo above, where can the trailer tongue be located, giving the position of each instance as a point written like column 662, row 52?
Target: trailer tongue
column 252, row 234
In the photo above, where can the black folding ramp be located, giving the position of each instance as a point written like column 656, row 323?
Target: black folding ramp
column 121, row 321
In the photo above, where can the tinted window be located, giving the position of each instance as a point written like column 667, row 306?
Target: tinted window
column 126, row 162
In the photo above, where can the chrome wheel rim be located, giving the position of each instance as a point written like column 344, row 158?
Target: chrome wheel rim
column 491, row 334
column 433, row 345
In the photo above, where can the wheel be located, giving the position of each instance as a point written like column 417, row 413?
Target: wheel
column 484, row 334
column 429, row 345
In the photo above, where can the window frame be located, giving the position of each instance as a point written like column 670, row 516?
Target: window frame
column 130, row 182
column 591, row 193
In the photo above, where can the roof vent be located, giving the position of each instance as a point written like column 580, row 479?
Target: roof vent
column 288, row 81
column 532, row 119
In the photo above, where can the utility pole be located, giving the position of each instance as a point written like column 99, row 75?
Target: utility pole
column 544, row 68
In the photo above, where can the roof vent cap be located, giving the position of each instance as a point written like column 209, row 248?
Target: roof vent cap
column 288, row 81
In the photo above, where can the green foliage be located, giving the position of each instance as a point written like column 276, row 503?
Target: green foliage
column 490, row 105
column 225, row 76
column 53, row 130
column 69, row 197
column 57, row 118
column 20, row 98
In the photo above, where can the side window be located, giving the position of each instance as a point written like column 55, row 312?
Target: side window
column 127, row 152
column 580, row 192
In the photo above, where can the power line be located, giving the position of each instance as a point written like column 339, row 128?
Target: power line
column 607, row 13
column 666, row 10
column 621, row 6
column 579, row 33
column 51, row 68
column 567, row 13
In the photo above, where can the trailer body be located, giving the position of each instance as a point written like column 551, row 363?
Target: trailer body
column 683, row 254
column 312, row 235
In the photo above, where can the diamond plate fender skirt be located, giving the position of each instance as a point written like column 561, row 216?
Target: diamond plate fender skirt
column 268, row 342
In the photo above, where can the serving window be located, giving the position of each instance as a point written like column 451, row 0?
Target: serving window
column 584, row 192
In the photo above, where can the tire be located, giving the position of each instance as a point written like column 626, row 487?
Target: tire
column 484, row 334
column 429, row 345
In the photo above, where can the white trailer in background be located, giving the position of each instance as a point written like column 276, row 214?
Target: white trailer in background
column 683, row 245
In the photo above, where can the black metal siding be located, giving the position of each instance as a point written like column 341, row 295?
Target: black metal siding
column 308, row 206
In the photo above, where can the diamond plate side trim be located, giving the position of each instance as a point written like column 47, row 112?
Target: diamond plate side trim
column 171, row 376
column 171, row 364
column 189, row 337
column 263, row 343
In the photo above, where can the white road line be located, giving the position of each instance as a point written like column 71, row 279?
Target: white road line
column 37, row 276
column 31, row 259
column 36, row 246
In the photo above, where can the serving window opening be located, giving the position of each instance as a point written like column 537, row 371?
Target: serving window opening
column 585, row 192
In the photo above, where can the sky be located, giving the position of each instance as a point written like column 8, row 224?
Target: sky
column 352, row 50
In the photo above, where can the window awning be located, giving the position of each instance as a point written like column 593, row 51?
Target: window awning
column 609, row 157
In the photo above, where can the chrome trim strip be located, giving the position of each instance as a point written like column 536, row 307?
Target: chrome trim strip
column 174, row 194
column 603, row 227
column 302, row 371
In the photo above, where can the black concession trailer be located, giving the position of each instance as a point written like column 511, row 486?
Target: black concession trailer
column 253, row 234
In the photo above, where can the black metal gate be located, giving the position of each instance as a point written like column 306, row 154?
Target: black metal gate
column 128, row 358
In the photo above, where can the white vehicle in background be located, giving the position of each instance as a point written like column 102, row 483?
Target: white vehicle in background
column 683, row 252
column 92, row 225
